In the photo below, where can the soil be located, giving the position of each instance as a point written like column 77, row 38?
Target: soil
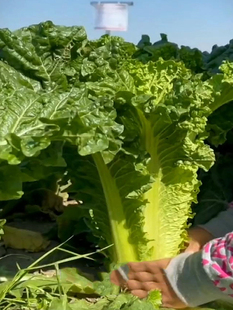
column 10, row 258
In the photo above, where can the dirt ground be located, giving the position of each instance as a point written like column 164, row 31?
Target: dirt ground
column 10, row 258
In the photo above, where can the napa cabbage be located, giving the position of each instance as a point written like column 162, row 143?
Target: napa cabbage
column 133, row 134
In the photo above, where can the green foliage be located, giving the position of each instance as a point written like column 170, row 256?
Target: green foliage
column 191, row 57
column 2, row 223
column 195, row 60
column 127, row 127
column 129, row 131
column 216, row 190
column 155, row 298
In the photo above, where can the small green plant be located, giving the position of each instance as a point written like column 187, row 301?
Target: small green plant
column 2, row 223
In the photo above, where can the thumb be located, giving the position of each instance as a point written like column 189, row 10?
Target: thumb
column 117, row 279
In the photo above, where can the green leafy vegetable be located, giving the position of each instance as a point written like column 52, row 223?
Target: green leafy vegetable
column 133, row 130
column 155, row 298
column 129, row 129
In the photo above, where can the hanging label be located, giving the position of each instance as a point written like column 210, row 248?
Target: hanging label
column 111, row 16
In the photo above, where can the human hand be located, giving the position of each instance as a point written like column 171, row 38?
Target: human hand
column 148, row 276
column 198, row 237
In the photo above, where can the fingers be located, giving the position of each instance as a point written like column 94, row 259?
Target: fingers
column 140, row 293
column 141, row 272
column 138, row 267
column 149, row 272
column 117, row 279
column 142, row 276
column 133, row 285
column 139, row 283
column 149, row 267
column 143, row 291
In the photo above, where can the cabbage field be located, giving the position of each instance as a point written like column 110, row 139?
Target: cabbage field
column 117, row 145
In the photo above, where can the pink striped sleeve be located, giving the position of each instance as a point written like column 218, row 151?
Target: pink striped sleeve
column 217, row 259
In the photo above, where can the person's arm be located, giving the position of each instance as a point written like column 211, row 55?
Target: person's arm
column 220, row 225
column 215, row 228
column 190, row 279
column 198, row 237
column 204, row 276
